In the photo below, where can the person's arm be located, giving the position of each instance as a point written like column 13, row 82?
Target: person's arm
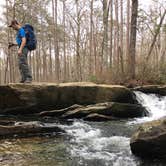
column 23, row 43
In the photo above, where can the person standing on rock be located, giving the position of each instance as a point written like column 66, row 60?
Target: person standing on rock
column 26, row 76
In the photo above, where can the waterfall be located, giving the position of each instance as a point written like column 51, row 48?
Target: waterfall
column 155, row 105
column 107, row 143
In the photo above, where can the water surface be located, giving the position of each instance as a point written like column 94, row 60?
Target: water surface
column 84, row 143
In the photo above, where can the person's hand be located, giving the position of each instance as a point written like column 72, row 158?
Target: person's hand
column 19, row 52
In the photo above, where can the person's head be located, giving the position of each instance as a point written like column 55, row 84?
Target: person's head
column 15, row 25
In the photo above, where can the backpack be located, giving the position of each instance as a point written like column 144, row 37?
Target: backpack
column 31, row 42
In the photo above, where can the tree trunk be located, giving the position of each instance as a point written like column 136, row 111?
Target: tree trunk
column 111, row 31
column 91, row 38
column 155, row 36
column 133, row 31
column 128, row 35
column 64, row 41
column 117, row 37
column 8, row 51
column 50, row 61
column 55, row 36
column 105, row 34
column 78, row 64
column 121, row 40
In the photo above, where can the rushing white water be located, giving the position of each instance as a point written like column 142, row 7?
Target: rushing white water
column 155, row 105
column 90, row 144
column 107, row 145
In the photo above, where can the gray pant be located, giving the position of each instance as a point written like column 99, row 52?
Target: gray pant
column 23, row 66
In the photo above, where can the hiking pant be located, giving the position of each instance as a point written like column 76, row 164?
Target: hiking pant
column 23, row 66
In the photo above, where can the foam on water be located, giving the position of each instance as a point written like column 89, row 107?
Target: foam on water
column 155, row 105
column 88, row 144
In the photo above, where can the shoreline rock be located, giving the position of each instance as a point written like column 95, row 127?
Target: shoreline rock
column 34, row 98
column 149, row 141
column 157, row 89
column 27, row 129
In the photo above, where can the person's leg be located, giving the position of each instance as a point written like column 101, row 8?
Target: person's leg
column 22, row 75
column 23, row 66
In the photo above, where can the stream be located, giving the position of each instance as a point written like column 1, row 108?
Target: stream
column 84, row 143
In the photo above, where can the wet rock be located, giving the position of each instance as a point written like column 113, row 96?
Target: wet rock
column 99, row 118
column 60, row 112
column 6, row 122
column 25, row 129
column 124, row 110
column 157, row 89
column 119, row 110
column 34, row 98
column 149, row 140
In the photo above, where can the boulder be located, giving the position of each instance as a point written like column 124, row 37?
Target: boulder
column 34, row 98
column 157, row 89
column 124, row 110
column 150, row 140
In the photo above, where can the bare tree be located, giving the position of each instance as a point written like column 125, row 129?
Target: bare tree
column 132, row 50
column 91, row 38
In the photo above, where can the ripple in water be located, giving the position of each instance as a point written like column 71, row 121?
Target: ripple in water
column 90, row 146
column 106, row 145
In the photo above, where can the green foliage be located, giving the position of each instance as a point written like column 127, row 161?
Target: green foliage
column 93, row 78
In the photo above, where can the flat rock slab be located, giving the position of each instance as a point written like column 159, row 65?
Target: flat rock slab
column 149, row 140
column 25, row 129
column 33, row 98
column 157, row 89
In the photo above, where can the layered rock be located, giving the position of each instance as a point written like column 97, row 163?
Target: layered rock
column 88, row 101
column 98, row 117
column 99, row 112
column 156, row 89
column 25, row 129
column 33, row 98
column 150, row 140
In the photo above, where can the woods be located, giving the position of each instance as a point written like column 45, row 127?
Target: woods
column 108, row 41
column 83, row 82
